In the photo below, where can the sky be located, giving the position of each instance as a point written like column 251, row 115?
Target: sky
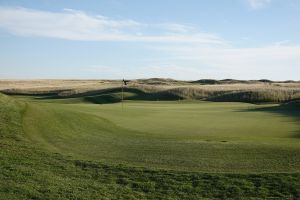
column 115, row 39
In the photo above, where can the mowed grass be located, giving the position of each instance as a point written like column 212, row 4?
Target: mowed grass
column 35, row 164
column 179, row 135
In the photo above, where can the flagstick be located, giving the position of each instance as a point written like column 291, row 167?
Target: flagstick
column 122, row 94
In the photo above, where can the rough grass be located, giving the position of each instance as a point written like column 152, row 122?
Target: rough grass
column 263, row 95
column 163, row 89
column 30, row 171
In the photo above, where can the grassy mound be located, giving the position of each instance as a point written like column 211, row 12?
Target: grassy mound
column 255, row 96
column 104, row 98
column 102, row 92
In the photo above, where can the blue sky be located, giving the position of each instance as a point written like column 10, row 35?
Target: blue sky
column 112, row 39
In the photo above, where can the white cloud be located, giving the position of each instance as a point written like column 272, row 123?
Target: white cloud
column 190, row 54
column 77, row 25
column 257, row 4
column 276, row 61
column 178, row 28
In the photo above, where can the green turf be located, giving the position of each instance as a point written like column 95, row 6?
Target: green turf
column 197, row 136
column 168, row 150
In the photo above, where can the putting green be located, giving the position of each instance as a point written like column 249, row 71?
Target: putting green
column 179, row 135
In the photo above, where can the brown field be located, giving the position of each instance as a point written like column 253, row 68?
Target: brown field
column 241, row 90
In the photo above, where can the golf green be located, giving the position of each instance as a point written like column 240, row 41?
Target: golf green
column 178, row 135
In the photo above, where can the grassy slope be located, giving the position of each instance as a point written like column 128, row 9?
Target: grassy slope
column 29, row 171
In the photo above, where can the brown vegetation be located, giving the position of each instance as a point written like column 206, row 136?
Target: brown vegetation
column 205, row 89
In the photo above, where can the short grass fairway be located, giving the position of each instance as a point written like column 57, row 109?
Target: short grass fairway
column 148, row 149
column 198, row 136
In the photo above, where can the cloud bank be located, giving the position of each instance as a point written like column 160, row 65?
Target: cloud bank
column 77, row 25
column 191, row 54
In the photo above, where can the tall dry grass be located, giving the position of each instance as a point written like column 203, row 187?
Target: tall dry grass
column 245, row 92
column 232, row 92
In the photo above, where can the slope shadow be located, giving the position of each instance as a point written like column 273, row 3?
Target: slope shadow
column 114, row 95
column 290, row 109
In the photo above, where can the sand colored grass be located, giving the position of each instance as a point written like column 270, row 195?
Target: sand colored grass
column 240, row 91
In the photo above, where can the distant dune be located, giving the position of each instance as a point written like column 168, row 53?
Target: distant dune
column 162, row 89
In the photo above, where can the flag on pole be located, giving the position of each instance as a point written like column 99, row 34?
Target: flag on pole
column 125, row 82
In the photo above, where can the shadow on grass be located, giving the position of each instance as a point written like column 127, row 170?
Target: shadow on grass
column 290, row 109
column 113, row 95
